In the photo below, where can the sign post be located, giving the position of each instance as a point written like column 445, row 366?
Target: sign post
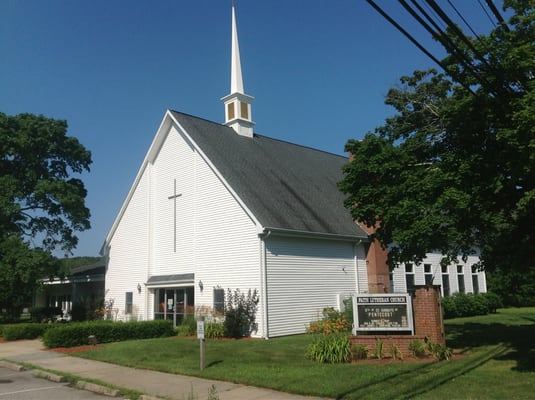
column 382, row 312
column 200, row 336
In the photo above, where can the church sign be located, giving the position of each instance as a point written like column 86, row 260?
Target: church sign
column 382, row 312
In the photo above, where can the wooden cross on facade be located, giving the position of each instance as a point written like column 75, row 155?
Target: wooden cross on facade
column 174, row 197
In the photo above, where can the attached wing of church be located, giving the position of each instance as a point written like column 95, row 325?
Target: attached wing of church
column 217, row 207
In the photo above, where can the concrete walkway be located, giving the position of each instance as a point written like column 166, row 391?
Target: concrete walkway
column 149, row 382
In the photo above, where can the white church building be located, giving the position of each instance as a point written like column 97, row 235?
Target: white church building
column 216, row 207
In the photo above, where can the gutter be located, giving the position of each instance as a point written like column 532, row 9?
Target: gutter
column 267, row 231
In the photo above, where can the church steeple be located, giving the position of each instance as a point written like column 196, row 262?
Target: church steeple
column 237, row 103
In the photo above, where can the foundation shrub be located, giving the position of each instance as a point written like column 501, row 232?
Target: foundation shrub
column 214, row 330
column 240, row 313
column 332, row 349
column 360, row 352
column 24, row 331
column 76, row 334
column 417, row 348
column 188, row 327
column 439, row 351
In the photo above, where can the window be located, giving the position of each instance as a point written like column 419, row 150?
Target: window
column 475, row 280
column 460, row 278
column 409, row 276
column 219, row 301
column 244, row 109
column 428, row 274
column 445, row 281
column 230, row 111
column 129, row 299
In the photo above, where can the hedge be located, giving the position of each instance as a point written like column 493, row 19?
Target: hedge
column 77, row 333
column 469, row 304
column 24, row 331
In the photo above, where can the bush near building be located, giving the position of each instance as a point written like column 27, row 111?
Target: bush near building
column 77, row 334
column 469, row 304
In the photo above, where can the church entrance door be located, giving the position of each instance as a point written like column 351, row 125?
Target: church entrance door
column 174, row 303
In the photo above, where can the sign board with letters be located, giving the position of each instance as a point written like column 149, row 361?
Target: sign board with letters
column 200, row 329
column 382, row 312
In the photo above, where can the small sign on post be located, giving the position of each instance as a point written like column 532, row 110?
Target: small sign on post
column 200, row 336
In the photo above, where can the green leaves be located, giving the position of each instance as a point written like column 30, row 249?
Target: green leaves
column 39, row 198
column 453, row 171
column 40, row 202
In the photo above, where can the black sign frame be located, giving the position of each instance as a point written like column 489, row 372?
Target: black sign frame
column 382, row 312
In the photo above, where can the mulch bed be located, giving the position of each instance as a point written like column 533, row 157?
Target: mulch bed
column 78, row 349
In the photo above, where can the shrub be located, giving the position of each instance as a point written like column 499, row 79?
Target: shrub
column 469, row 304
column 493, row 301
column 331, row 349
column 240, row 313
column 360, row 352
column 439, row 351
column 214, row 330
column 188, row 327
column 24, row 331
column 332, row 322
column 76, row 334
column 416, row 348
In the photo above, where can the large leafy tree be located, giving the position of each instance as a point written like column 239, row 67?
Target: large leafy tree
column 454, row 169
column 41, row 204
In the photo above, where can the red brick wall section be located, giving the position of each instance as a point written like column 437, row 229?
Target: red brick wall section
column 427, row 313
column 428, row 324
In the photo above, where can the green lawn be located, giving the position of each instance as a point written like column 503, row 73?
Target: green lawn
column 498, row 361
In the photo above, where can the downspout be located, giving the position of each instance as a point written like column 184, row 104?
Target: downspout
column 356, row 264
column 263, row 283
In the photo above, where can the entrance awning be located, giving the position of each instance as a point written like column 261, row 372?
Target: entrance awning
column 170, row 280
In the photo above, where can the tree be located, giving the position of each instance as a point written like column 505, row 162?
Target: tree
column 454, row 170
column 41, row 204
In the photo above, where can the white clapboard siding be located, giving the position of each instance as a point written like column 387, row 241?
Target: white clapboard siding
column 175, row 161
column 227, row 246
column 303, row 277
column 362, row 270
column 129, row 250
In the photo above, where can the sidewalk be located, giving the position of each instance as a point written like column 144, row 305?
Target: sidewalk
column 153, row 383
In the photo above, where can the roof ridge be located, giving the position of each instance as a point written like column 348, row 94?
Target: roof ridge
column 261, row 135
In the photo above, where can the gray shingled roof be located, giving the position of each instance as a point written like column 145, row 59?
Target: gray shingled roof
column 286, row 186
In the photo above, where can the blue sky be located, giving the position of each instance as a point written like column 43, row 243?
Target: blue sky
column 318, row 69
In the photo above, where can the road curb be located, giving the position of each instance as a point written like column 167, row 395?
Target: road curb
column 50, row 376
column 93, row 387
column 12, row 366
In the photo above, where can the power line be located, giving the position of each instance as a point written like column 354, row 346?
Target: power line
column 497, row 15
column 462, row 18
column 486, row 12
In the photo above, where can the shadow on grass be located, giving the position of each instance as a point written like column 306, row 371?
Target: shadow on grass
column 519, row 338
column 421, row 380
column 214, row 363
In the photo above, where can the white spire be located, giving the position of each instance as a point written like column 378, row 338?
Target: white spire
column 236, row 80
column 237, row 103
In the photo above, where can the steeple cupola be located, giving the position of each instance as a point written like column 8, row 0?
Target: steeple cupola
column 237, row 103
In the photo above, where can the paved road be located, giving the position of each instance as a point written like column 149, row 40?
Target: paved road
column 23, row 385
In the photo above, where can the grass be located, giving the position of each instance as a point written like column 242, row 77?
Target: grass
column 498, row 362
